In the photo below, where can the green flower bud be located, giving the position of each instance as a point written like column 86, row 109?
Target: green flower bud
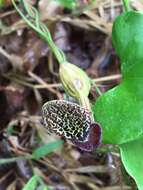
column 75, row 81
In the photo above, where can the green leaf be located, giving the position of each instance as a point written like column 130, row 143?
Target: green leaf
column 46, row 149
column 120, row 110
column 70, row 4
column 132, row 158
column 32, row 183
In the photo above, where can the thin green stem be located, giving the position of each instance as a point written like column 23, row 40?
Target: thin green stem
column 126, row 5
column 33, row 20
column 84, row 102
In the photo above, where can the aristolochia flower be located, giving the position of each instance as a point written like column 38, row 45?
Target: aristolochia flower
column 72, row 122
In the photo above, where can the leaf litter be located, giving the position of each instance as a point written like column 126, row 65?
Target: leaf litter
column 29, row 77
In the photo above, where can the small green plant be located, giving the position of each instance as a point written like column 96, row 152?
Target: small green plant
column 120, row 110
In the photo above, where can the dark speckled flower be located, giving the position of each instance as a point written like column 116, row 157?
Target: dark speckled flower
column 72, row 122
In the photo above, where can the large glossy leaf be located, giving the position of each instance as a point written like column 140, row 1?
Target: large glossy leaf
column 132, row 158
column 120, row 110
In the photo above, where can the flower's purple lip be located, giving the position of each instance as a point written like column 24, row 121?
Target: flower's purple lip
column 93, row 140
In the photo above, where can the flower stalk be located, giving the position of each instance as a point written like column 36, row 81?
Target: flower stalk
column 33, row 20
column 126, row 5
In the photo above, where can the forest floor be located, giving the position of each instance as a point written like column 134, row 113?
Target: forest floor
column 29, row 77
